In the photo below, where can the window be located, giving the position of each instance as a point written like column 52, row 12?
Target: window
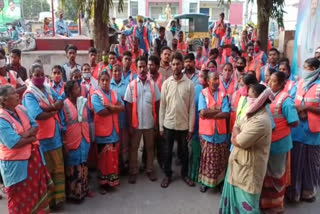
column 133, row 8
column 193, row 8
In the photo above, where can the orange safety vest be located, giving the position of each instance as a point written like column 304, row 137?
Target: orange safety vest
column 254, row 66
column 75, row 129
column 145, row 36
column 61, row 89
column 46, row 127
column 227, row 41
column 21, row 153
column 133, row 67
column 231, row 88
column 12, row 77
column 221, row 60
column 205, row 52
column 200, row 62
column 289, row 85
column 258, row 57
column 243, row 45
column 159, row 81
column 183, row 47
column 220, row 31
column 310, row 98
column 207, row 126
column 234, row 105
column 282, row 129
column 99, row 68
column 104, row 124
column 121, row 49
column 134, row 89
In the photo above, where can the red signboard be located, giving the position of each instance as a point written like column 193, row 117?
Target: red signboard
column 236, row 13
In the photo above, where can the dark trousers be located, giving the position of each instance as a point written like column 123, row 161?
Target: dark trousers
column 180, row 136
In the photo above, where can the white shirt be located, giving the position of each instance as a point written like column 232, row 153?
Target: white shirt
column 144, row 102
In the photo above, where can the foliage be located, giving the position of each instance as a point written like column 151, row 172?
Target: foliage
column 275, row 11
column 88, row 7
column 32, row 8
column 69, row 10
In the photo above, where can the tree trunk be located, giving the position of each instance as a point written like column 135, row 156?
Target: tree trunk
column 264, row 10
column 100, row 27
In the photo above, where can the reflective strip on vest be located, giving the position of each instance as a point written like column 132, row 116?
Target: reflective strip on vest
column 276, row 113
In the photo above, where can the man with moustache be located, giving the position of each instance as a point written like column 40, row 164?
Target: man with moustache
column 176, row 119
column 165, row 68
column 190, row 68
column 142, row 96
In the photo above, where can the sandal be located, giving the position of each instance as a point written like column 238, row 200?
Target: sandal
column 188, row 181
column 203, row 188
column 102, row 191
column 165, row 182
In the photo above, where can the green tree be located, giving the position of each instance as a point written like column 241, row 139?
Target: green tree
column 32, row 8
column 267, row 9
column 98, row 11
column 69, row 10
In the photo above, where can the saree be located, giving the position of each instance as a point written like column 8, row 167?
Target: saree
column 214, row 162
column 277, row 179
column 77, row 185
column 195, row 160
column 234, row 200
column 55, row 165
column 33, row 194
column 108, row 165
column 305, row 172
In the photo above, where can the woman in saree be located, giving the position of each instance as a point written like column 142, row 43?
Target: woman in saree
column 43, row 104
column 305, row 170
column 248, row 160
column 76, row 142
column 26, row 178
column 107, row 105
column 214, row 110
column 278, row 174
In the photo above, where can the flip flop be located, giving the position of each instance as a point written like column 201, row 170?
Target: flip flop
column 165, row 182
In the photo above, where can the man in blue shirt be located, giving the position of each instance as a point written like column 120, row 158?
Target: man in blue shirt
column 139, row 32
column 62, row 27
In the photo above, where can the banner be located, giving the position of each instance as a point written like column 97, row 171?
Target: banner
column 307, row 36
column 10, row 12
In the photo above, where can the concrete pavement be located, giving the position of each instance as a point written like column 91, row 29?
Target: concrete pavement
column 146, row 197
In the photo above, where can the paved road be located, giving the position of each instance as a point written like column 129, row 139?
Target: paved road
column 146, row 197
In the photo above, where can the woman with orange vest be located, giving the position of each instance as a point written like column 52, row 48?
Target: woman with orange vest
column 200, row 59
column 278, row 174
column 290, row 86
column 306, row 137
column 182, row 45
column 227, row 83
column 57, row 83
column 136, row 52
column 220, row 60
column 26, row 179
column 76, row 142
column 119, row 85
column 214, row 108
column 107, row 105
column 43, row 105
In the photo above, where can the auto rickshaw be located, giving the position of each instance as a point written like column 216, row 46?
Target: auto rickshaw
column 195, row 27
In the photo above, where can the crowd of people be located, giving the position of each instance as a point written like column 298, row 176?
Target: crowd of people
column 243, row 123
